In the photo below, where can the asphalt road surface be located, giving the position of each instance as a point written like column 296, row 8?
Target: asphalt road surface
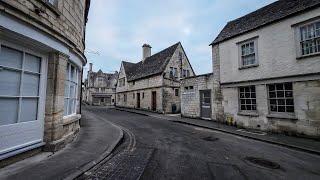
column 159, row 149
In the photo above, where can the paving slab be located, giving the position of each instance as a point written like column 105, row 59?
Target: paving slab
column 96, row 140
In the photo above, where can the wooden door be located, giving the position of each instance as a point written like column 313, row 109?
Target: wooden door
column 154, row 101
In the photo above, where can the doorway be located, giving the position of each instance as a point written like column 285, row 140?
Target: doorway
column 154, row 101
column 205, row 104
column 138, row 100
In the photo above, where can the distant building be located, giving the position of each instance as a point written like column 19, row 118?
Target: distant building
column 42, row 46
column 268, row 66
column 154, row 83
column 100, row 88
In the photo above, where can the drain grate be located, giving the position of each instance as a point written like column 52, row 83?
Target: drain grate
column 263, row 162
column 209, row 138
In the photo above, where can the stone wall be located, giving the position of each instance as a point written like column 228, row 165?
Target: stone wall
column 64, row 21
column 145, row 99
column 190, row 99
column 306, row 104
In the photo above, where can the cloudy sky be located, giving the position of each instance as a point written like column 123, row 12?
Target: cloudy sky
column 117, row 29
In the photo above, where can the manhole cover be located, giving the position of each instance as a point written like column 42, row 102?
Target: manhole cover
column 263, row 162
column 210, row 138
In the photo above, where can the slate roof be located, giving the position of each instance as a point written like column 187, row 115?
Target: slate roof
column 269, row 14
column 152, row 65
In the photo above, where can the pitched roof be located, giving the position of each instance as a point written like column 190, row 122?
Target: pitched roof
column 271, row 13
column 152, row 65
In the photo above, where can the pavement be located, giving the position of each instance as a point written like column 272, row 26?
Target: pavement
column 96, row 140
column 157, row 148
column 298, row 143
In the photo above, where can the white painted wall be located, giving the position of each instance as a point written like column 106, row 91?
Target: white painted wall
column 276, row 53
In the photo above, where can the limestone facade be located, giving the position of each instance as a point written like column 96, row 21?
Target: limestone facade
column 159, row 92
column 280, row 64
column 54, row 31
column 100, row 88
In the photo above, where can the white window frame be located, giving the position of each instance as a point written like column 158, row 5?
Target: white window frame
column 69, row 64
column 42, row 80
column 299, row 41
column 253, row 40
column 39, row 123
column 248, row 98
column 279, row 98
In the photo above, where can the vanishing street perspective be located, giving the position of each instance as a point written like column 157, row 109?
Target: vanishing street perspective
column 186, row 90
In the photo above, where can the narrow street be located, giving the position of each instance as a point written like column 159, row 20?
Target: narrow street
column 158, row 149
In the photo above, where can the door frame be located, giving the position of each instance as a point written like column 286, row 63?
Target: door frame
column 200, row 99
column 41, row 104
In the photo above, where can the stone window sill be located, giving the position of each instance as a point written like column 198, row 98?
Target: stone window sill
column 247, row 67
column 251, row 114
column 71, row 118
column 282, row 116
column 308, row 56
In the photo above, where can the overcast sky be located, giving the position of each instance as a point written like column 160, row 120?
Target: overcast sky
column 117, row 29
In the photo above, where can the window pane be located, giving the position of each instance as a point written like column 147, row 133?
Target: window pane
column 10, row 57
column 254, row 107
column 288, row 86
column 279, row 86
column 273, row 102
column 289, row 94
column 281, row 109
column 281, row 102
column 66, row 89
column 72, row 90
column 271, row 87
column 242, row 101
column 71, row 106
column 248, row 107
column 29, row 109
column 290, row 108
column 280, row 94
column 73, row 74
column 243, row 107
column 30, row 85
column 273, row 107
column 32, row 63
column 66, row 106
column 10, row 82
column 8, row 110
column 289, row 102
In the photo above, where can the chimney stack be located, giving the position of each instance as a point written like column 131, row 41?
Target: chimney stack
column 146, row 51
column 90, row 67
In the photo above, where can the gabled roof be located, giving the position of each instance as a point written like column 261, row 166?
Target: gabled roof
column 152, row 65
column 269, row 14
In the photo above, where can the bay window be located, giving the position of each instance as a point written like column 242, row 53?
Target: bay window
column 70, row 90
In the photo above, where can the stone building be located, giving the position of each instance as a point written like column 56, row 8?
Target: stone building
column 41, row 59
column 201, row 97
column 268, row 66
column 100, row 88
column 154, row 83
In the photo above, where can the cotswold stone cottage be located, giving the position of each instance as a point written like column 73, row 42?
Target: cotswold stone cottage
column 268, row 66
column 100, row 88
column 41, row 59
column 154, row 83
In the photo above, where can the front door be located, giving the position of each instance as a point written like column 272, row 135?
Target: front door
column 154, row 101
column 138, row 100
column 22, row 95
column 205, row 104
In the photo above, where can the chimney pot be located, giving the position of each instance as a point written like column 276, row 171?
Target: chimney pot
column 90, row 67
column 146, row 51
